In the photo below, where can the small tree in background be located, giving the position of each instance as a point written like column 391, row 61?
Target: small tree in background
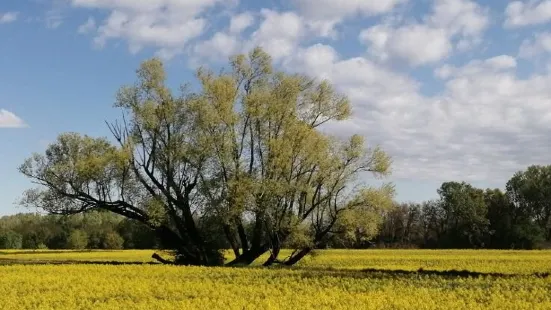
column 113, row 241
column 10, row 240
column 77, row 240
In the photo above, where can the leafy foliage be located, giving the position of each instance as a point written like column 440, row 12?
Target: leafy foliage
column 10, row 240
column 467, row 217
column 103, row 230
column 113, row 241
column 78, row 240
column 530, row 193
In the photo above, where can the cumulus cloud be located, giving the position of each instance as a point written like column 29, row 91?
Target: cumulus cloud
column 218, row 48
column 417, row 44
column 539, row 44
column 167, row 25
column 432, row 40
column 323, row 15
column 224, row 43
column 526, row 13
column 279, row 33
column 328, row 9
column 10, row 120
column 240, row 22
column 485, row 124
column 505, row 117
column 8, row 17
column 491, row 65
column 459, row 16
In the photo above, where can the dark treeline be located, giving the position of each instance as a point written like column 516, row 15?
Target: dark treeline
column 469, row 217
column 463, row 217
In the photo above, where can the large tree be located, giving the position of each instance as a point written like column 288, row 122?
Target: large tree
column 403, row 225
column 530, row 193
column 511, row 225
column 465, row 214
column 244, row 153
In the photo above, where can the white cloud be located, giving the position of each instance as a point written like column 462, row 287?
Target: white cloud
column 333, row 10
column 501, row 62
column 218, row 48
column 476, row 67
column 526, row 13
column 478, row 127
column 279, row 33
column 167, row 25
column 321, row 16
column 417, row 44
column 10, row 120
column 8, row 17
column 536, row 46
column 88, row 26
column 240, row 22
column 432, row 40
column 226, row 42
column 372, row 88
column 459, row 16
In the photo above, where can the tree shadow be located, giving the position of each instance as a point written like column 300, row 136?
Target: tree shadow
column 45, row 252
column 384, row 273
column 452, row 273
column 304, row 272
column 15, row 261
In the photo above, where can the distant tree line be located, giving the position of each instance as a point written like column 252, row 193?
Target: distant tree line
column 463, row 217
column 93, row 230
column 468, row 217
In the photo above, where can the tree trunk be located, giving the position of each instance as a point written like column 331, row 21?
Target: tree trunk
column 162, row 260
column 187, row 253
column 257, row 232
column 231, row 240
column 168, row 238
column 193, row 232
column 248, row 257
column 297, row 256
column 276, row 247
column 242, row 235
column 272, row 259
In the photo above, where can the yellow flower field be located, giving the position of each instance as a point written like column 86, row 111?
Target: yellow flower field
column 332, row 279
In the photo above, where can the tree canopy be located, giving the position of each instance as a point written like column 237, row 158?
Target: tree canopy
column 468, row 217
column 244, row 153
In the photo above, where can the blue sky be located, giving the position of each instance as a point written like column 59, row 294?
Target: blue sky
column 452, row 89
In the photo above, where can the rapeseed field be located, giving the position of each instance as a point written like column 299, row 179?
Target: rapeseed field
column 332, row 279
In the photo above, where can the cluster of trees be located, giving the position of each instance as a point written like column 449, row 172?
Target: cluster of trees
column 469, row 217
column 93, row 230
column 463, row 217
